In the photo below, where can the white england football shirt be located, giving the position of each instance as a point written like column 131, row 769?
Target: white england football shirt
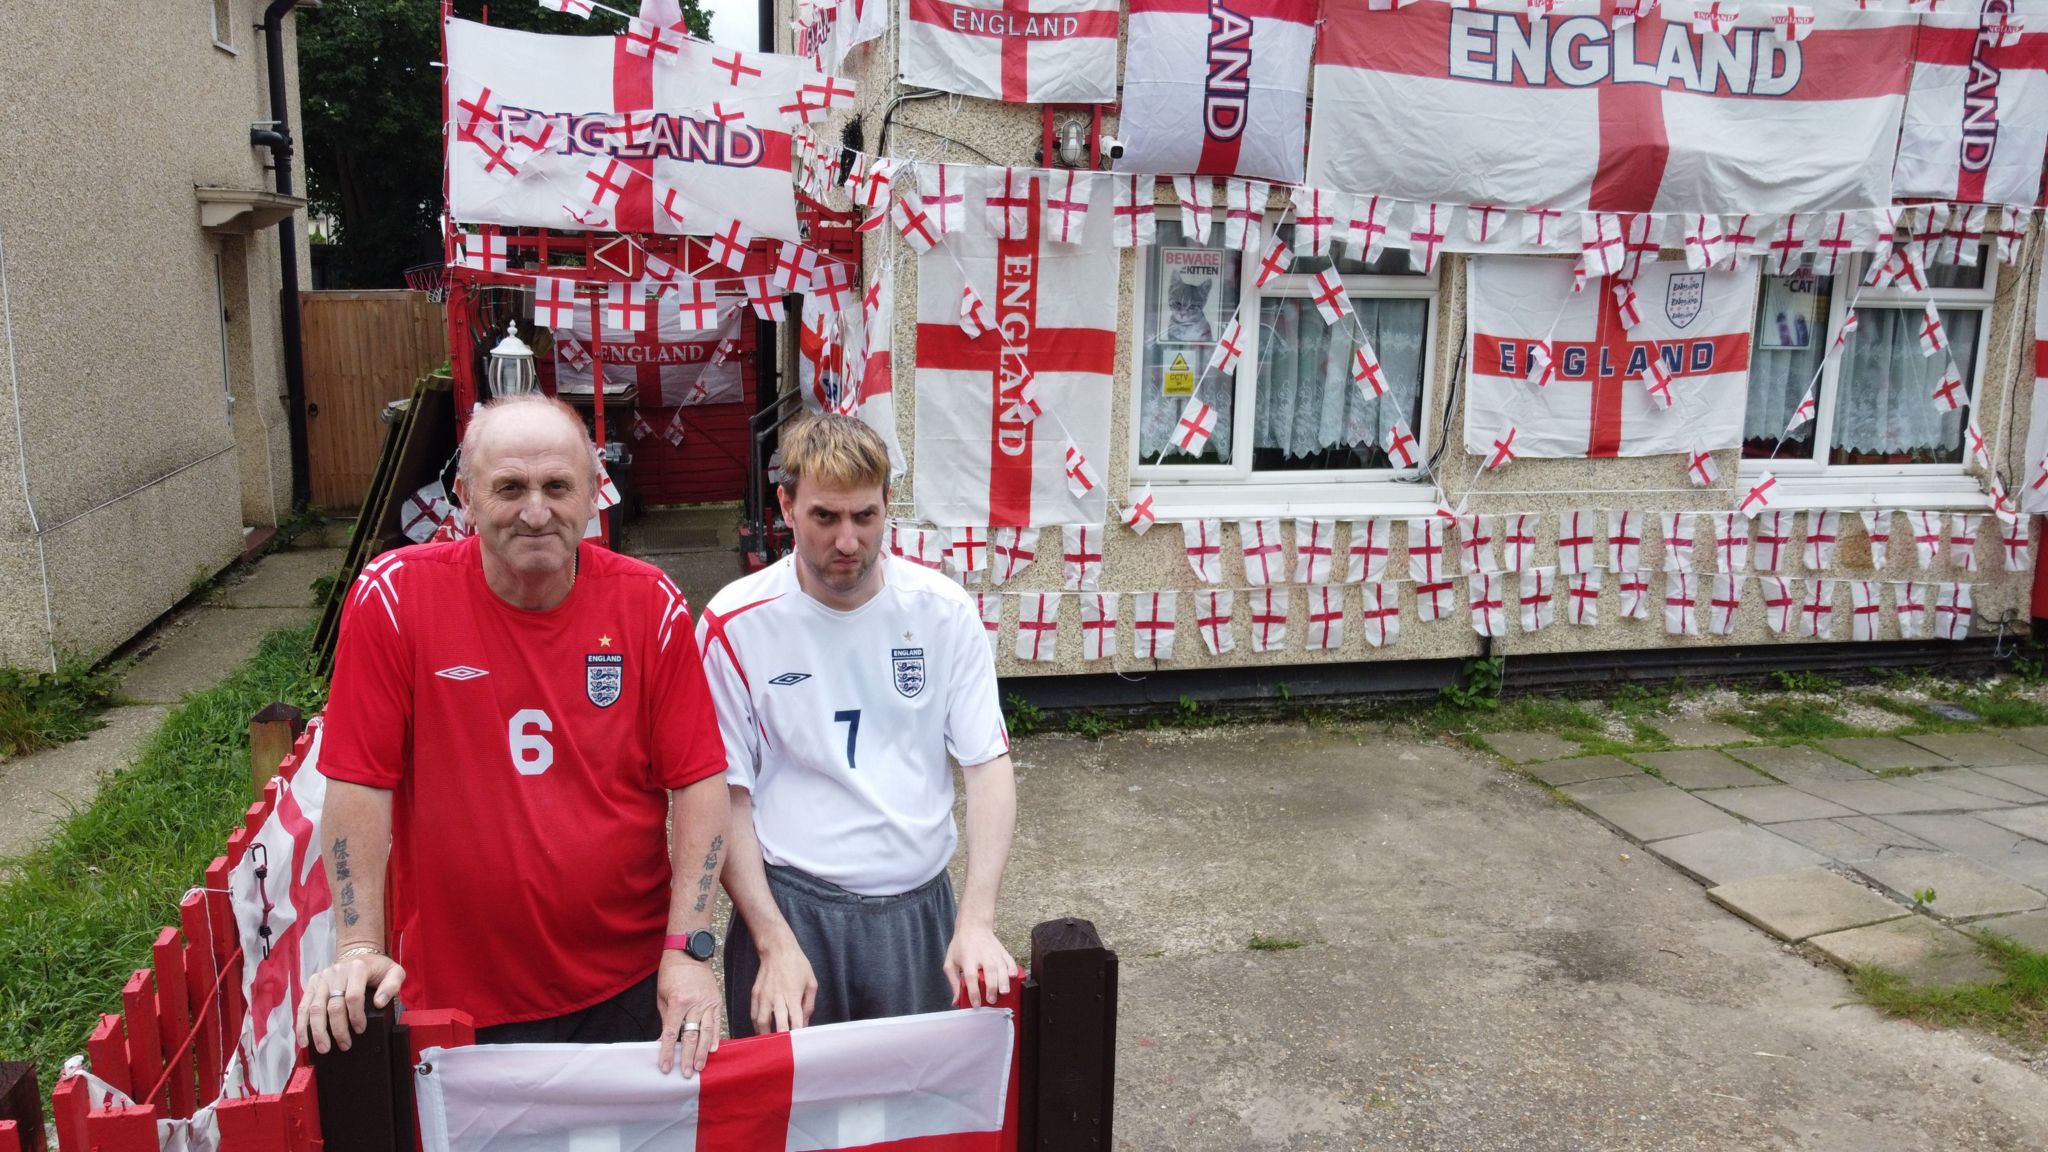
column 840, row 723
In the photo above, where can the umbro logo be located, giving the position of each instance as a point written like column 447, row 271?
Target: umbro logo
column 788, row 678
column 461, row 672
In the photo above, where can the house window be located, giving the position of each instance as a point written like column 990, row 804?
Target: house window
column 1876, row 401
column 1289, row 413
column 224, row 24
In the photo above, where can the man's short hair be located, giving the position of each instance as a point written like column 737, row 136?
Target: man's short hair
column 487, row 413
column 834, row 452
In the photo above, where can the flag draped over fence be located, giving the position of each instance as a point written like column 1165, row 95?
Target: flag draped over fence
column 1217, row 87
column 1434, row 103
column 984, row 452
column 932, row 1083
column 1599, row 401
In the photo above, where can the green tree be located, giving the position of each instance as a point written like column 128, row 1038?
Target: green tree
column 370, row 97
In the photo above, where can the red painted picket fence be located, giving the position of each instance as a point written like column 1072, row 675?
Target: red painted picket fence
column 179, row 1022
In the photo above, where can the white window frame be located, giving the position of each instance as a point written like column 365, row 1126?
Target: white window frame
column 1812, row 482
column 223, row 38
column 1192, row 491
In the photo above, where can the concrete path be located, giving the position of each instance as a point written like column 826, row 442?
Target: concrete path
column 697, row 546
column 1482, row 966
column 194, row 648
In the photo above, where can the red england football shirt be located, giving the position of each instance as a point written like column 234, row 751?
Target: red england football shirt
column 530, row 754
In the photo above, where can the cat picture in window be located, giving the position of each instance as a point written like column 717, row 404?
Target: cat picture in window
column 1187, row 304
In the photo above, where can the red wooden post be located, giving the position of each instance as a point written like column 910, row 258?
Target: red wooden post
column 21, row 1109
column 251, row 1124
column 107, row 1048
column 439, row 1028
column 201, row 971
column 227, row 942
column 174, row 1021
column 302, row 1113
column 122, row 1130
column 69, row 1102
column 10, row 1139
column 145, row 1051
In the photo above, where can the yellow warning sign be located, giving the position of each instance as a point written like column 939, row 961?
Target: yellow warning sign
column 1180, row 379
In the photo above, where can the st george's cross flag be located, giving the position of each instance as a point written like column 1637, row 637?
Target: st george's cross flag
column 1973, row 129
column 2033, row 484
column 981, row 456
column 284, row 913
column 1020, row 51
column 937, row 1082
column 593, row 101
column 665, row 359
column 1437, row 103
column 1217, row 87
column 875, row 383
column 1696, row 323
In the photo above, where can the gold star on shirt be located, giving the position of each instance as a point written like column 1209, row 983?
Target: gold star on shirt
column 604, row 641
column 908, row 637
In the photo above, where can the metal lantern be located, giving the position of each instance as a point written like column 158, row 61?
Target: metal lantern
column 511, row 364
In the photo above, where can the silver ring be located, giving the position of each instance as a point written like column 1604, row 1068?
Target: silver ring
column 335, row 994
column 692, row 1026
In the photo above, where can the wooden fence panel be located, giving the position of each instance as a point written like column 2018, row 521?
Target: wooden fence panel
column 363, row 350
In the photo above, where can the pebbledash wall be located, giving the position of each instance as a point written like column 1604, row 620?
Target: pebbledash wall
column 142, row 424
column 987, row 132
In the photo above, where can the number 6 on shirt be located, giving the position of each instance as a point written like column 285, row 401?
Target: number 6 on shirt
column 851, row 718
column 531, row 752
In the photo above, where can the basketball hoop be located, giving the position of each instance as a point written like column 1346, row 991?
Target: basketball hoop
column 429, row 278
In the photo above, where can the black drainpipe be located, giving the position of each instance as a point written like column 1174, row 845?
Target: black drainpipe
column 278, row 138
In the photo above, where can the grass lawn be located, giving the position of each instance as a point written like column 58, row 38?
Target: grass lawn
column 79, row 914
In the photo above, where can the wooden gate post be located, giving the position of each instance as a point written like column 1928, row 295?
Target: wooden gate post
column 272, row 732
column 1068, row 1078
column 21, row 1110
column 366, row 1092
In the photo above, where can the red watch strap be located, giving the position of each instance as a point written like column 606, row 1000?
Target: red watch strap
column 676, row 943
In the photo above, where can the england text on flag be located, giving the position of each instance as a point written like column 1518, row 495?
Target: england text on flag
column 1022, row 51
column 1218, row 87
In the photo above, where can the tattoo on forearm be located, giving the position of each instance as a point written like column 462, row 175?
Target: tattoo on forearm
column 349, row 915
column 709, row 878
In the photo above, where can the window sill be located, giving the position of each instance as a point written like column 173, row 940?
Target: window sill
column 1352, row 499
column 1911, row 487
column 227, row 48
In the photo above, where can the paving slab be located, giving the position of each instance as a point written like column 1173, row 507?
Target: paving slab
column 1806, row 902
column 2031, row 822
column 1883, row 753
column 1870, row 797
column 1523, row 747
column 1613, row 786
column 2028, row 928
column 1977, row 781
column 1923, row 951
column 2035, row 737
column 1963, row 889
column 2000, row 849
column 1796, row 763
column 1701, row 768
column 1578, row 770
column 1689, row 732
column 1942, row 796
column 2032, row 777
column 281, row 579
column 38, row 790
column 200, row 650
column 1658, row 814
column 1851, row 840
column 1774, row 804
column 1726, row 855
column 1976, row 749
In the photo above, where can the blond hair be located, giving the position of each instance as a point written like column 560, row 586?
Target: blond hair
column 487, row 413
column 834, row 452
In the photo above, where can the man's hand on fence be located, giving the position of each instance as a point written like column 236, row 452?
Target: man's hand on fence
column 689, row 1013
column 332, row 1010
column 976, row 957
column 785, row 989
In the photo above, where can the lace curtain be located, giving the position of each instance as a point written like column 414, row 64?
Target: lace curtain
column 1307, row 402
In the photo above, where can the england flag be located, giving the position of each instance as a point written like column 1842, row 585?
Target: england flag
column 1697, row 324
column 980, row 455
column 1967, row 134
column 1217, row 87
column 670, row 364
column 1020, row 51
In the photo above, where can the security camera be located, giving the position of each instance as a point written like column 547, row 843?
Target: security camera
column 1112, row 148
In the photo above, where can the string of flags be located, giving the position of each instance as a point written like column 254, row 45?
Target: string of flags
column 1490, row 561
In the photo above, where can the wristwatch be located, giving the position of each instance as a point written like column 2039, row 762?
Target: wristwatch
column 698, row 945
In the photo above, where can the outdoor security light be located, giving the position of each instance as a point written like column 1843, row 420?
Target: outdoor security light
column 511, row 364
